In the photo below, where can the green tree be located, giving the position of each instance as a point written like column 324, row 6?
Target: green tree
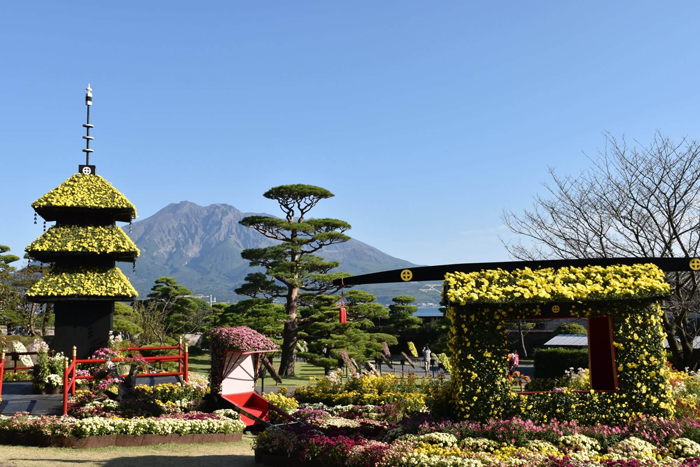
column 28, row 314
column 326, row 336
column 126, row 321
column 571, row 328
column 257, row 313
column 9, row 296
column 169, row 311
column 292, row 262
column 402, row 323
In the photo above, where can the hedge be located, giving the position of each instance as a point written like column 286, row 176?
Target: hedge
column 552, row 363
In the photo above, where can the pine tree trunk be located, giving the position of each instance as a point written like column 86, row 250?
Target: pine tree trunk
column 289, row 347
column 289, row 336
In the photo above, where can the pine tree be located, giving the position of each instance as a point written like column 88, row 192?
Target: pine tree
column 292, row 262
column 326, row 336
column 402, row 324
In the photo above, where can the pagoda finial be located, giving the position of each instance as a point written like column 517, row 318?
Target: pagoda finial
column 87, row 169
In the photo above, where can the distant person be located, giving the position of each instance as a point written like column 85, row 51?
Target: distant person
column 426, row 358
column 514, row 362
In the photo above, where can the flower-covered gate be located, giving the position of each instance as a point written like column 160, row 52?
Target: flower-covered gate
column 619, row 296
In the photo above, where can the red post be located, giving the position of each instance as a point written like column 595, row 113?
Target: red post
column 2, row 371
column 187, row 364
column 74, row 367
column 65, row 387
column 179, row 354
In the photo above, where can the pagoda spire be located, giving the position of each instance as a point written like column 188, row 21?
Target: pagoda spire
column 87, row 169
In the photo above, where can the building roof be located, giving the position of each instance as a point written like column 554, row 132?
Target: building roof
column 581, row 340
column 568, row 340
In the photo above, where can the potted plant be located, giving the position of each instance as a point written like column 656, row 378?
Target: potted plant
column 53, row 383
column 41, row 371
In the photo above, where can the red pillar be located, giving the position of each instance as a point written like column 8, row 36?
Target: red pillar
column 601, row 354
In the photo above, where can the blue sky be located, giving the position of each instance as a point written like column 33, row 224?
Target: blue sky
column 426, row 119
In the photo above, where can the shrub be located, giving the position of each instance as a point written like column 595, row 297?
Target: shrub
column 553, row 363
column 571, row 328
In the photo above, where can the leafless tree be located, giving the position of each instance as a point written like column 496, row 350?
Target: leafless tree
column 639, row 201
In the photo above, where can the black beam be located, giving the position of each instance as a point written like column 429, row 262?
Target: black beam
column 437, row 273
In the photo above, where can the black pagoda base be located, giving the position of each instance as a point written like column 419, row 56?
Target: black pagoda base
column 84, row 324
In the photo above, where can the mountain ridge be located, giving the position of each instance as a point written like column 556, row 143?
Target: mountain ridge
column 200, row 246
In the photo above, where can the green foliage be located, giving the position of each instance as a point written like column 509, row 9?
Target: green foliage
column 257, row 284
column 326, row 337
column 170, row 311
column 552, row 363
column 126, row 320
column 402, row 323
column 546, row 384
column 571, row 328
column 256, row 313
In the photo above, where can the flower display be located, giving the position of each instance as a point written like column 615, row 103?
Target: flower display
column 85, row 191
column 567, row 284
column 366, row 389
column 78, row 281
column 100, row 239
column 193, row 423
column 644, row 442
column 239, row 338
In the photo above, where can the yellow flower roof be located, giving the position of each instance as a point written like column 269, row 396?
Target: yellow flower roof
column 86, row 239
column 87, row 192
column 70, row 282
column 568, row 284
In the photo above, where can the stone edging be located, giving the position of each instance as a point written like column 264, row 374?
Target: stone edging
column 36, row 439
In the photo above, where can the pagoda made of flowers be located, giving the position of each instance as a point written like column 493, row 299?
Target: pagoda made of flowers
column 83, row 281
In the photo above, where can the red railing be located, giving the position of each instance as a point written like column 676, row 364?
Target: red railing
column 70, row 375
column 15, row 356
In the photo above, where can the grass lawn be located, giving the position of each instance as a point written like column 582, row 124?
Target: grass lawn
column 164, row 455
column 304, row 371
column 200, row 364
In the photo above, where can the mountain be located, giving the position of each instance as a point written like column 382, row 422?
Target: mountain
column 201, row 246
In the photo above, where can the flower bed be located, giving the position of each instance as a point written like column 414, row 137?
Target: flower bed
column 646, row 441
column 22, row 428
column 365, row 389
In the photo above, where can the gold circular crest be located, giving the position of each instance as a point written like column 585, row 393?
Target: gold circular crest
column 406, row 275
column 695, row 264
column 555, row 309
